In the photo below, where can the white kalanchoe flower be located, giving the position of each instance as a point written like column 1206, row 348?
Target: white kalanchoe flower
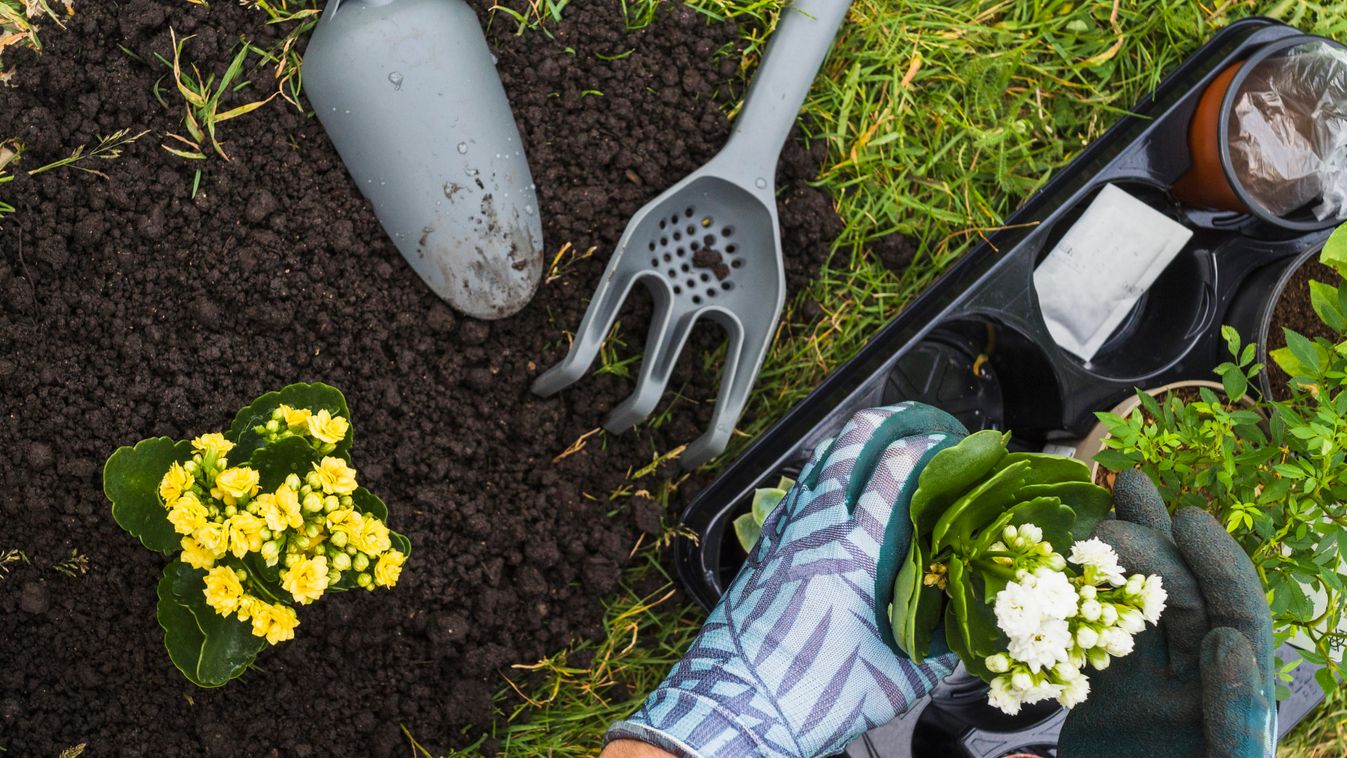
column 1042, row 691
column 1153, row 598
column 1018, row 610
column 1074, row 691
column 1003, row 696
column 1099, row 556
column 1057, row 596
column 1045, row 648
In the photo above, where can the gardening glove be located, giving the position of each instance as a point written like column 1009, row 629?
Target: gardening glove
column 798, row 659
column 1201, row 682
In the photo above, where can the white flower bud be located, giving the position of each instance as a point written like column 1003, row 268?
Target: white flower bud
column 1021, row 680
column 1009, row 534
column 1115, row 642
column 1131, row 621
column 1088, row 592
column 998, row 664
column 1056, row 562
column 1086, row 637
column 1098, row 658
column 1134, row 584
column 1031, row 533
column 1090, row 609
column 1109, row 614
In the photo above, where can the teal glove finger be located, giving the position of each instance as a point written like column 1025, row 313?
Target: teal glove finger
column 1234, row 704
column 1136, row 501
column 1235, row 601
column 1144, row 550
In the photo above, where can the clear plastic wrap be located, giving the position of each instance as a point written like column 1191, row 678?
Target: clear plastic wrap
column 1288, row 131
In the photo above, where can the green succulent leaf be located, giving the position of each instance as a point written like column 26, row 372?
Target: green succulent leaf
column 979, row 506
column 748, row 531
column 765, row 501
column 276, row 461
column 1089, row 502
column 970, row 623
column 131, row 482
column 916, row 610
column 950, row 473
column 315, row 397
column 369, row 504
column 1047, row 513
column 209, row 649
column 1045, row 468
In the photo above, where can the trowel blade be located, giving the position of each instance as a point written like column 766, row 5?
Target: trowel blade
column 409, row 94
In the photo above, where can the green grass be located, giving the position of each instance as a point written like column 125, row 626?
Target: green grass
column 940, row 118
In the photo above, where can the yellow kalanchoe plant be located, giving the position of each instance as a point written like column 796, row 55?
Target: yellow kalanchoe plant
column 284, row 526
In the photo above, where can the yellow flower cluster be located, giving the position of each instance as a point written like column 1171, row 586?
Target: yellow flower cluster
column 225, row 594
column 310, row 525
column 323, row 430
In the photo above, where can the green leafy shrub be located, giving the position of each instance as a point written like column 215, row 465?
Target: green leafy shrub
column 281, row 525
column 1272, row 472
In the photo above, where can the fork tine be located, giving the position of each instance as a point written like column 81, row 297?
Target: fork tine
column 748, row 346
column 663, row 346
column 598, row 320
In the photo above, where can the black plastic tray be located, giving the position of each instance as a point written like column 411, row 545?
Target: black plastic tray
column 986, row 305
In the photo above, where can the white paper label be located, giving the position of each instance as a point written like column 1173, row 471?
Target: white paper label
column 1103, row 264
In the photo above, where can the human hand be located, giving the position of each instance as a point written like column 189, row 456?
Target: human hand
column 798, row 659
column 1201, row 683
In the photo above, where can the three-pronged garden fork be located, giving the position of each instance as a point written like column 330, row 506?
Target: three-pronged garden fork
column 710, row 246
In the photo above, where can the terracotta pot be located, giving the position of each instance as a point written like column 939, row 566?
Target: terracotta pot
column 1206, row 185
column 1212, row 181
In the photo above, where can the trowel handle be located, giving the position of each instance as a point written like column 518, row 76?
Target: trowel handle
column 796, row 52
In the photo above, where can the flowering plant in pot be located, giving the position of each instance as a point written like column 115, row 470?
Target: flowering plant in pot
column 1001, row 555
column 1274, row 473
column 258, row 519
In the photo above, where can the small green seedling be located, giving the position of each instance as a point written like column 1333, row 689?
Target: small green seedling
column 748, row 527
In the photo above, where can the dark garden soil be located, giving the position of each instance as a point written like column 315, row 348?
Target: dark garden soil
column 128, row 309
column 1294, row 311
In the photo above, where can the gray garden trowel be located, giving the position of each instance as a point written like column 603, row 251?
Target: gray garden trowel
column 409, row 94
column 710, row 246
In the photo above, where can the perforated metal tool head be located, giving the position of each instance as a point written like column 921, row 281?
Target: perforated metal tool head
column 710, row 246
